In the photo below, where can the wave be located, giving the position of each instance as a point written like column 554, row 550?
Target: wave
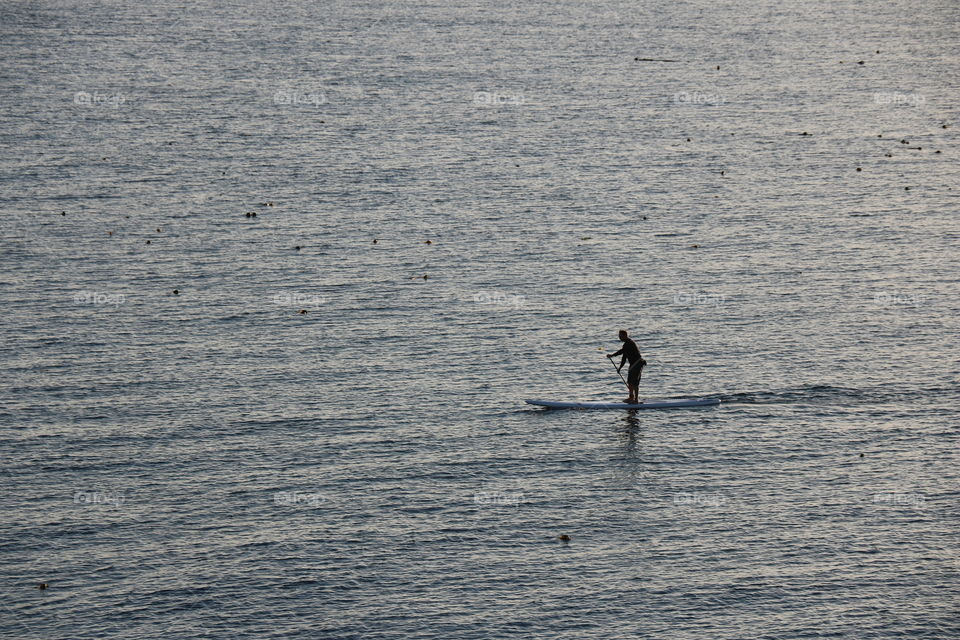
column 828, row 394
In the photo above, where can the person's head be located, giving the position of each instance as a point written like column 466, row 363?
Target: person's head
column 623, row 334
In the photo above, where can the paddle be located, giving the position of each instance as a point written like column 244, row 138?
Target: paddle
column 618, row 372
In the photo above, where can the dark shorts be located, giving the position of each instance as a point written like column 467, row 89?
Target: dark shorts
column 633, row 375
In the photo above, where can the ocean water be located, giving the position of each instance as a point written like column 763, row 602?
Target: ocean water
column 467, row 202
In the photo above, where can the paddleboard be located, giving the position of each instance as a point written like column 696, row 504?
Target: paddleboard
column 651, row 404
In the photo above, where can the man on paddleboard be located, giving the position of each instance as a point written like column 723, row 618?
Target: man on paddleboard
column 630, row 352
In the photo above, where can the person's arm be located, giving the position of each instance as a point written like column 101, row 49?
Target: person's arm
column 614, row 355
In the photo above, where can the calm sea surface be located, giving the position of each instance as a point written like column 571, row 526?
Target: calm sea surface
column 309, row 423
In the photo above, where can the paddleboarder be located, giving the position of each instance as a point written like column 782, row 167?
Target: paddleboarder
column 631, row 353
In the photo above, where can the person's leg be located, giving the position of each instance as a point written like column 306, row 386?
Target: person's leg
column 633, row 382
column 632, row 379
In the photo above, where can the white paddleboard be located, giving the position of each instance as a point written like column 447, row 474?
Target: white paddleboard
column 652, row 404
